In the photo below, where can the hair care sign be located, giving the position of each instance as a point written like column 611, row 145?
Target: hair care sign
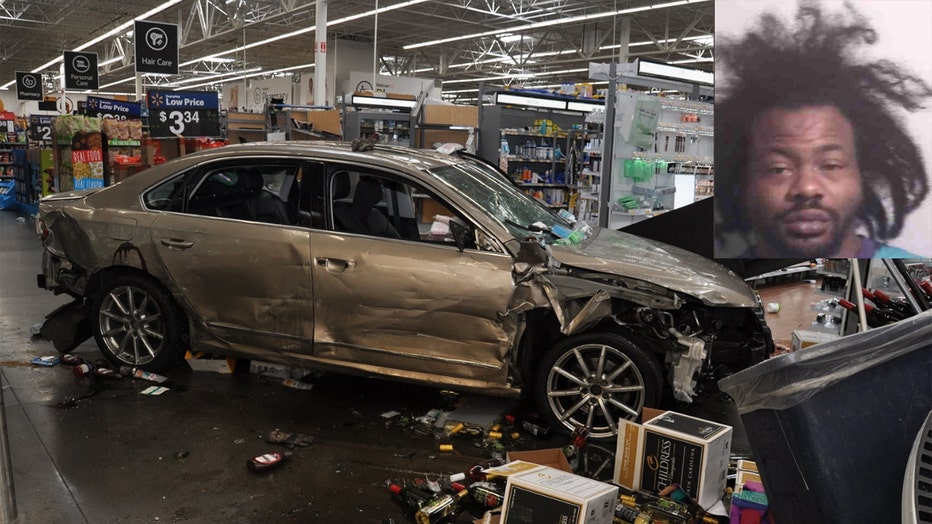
column 156, row 47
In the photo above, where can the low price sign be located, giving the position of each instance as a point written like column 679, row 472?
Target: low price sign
column 40, row 128
column 183, row 114
column 107, row 108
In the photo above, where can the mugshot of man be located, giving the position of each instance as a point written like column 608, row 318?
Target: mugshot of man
column 811, row 158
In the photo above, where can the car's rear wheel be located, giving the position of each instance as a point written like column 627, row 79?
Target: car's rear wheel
column 594, row 380
column 137, row 324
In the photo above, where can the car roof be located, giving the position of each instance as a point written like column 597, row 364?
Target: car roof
column 338, row 151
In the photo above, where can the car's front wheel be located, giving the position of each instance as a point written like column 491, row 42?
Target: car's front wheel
column 594, row 380
column 137, row 324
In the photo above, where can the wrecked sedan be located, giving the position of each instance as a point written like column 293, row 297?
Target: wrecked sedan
column 406, row 264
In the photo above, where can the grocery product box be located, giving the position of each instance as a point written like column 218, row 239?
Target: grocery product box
column 550, row 457
column 673, row 448
column 803, row 338
column 544, row 494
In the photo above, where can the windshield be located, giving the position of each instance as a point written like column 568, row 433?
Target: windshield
column 491, row 192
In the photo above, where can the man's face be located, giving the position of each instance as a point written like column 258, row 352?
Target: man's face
column 803, row 188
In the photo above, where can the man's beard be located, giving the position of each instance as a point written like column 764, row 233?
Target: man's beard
column 802, row 248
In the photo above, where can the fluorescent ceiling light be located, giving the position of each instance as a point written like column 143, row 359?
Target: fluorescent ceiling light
column 212, row 77
column 549, row 23
column 306, row 30
column 529, row 101
column 110, row 61
column 361, row 100
column 108, row 34
column 693, row 60
column 509, row 37
column 692, row 76
column 249, row 75
column 219, row 60
column 585, row 107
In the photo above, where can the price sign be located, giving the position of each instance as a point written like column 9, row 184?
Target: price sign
column 40, row 128
column 107, row 108
column 183, row 114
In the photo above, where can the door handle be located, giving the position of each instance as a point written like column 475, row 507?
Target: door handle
column 177, row 243
column 335, row 265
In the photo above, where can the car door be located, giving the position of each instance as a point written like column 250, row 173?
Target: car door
column 249, row 282
column 408, row 306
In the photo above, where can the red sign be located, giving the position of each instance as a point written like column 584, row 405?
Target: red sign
column 86, row 156
column 322, row 47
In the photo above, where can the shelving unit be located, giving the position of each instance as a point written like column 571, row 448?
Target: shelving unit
column 674, row 171
column 538, row 163
column 387, row 127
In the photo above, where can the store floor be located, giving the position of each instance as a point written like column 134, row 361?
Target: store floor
column 85, row 451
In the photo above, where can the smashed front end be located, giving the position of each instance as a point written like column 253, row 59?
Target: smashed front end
column 700, row 320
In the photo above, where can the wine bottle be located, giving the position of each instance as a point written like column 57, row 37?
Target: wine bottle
column 475, row 471
column 875, row 317
column 413, row 497
column 883, row 300
column 440, row 507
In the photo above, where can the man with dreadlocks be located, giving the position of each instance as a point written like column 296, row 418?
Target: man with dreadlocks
column 810, row 159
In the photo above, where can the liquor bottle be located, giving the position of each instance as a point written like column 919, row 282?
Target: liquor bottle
column 475, row 471
column 875, row 317
column 883, row 300
column 443, row 506
column 413, row 497
column 488, row 494
column 926, row 286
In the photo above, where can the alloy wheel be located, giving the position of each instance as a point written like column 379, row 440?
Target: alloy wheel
column 132, row 325
column 594, row 386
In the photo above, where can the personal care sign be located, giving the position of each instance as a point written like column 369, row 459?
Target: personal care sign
column 156, row 46
column 81, row 70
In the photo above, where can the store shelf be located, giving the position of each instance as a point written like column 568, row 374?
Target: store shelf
column 544, row 185
column 124, row 143
column 686, row 129
column 513, row 158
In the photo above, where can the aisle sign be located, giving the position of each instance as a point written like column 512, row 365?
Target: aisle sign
column 156, row 46
column 107, row 108
column 183, row 114
column 40, row 128
column 29, row 86
column 81, row 71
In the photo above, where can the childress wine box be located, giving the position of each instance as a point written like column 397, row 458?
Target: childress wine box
column 673, row 448
column 544, row 494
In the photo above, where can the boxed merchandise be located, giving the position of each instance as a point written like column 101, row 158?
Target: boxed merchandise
column 545, row 494
column 551, row 457
column 673, row 448
column 805, row 338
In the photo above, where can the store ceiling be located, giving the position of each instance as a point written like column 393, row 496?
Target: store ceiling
column 552, row 41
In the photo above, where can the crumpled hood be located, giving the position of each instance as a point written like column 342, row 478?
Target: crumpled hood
column 623, row 254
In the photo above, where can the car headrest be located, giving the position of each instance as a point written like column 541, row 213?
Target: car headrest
column 368, row 193
column 341, row 185
column 251, row 180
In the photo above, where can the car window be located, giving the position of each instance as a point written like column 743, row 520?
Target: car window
column 267, row 192
column 380, row 205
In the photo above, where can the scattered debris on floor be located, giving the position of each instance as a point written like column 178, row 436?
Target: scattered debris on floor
column 48, row 361
column 290, row 440
column 267, row 461
column 154, row 390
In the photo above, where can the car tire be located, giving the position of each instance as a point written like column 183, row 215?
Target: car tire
column 572, row 391
column 136, row 324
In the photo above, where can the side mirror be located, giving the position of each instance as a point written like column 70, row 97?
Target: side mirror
column 460, row 234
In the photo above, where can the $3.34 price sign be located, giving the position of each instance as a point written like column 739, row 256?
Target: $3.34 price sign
column 183, row 114
column 178, row 120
